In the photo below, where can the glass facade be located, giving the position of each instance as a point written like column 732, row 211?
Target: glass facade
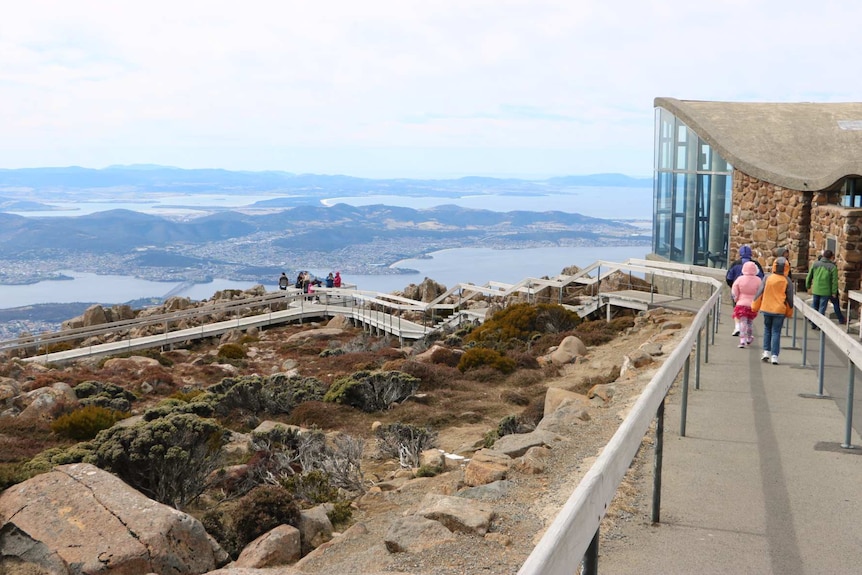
column 691, row 196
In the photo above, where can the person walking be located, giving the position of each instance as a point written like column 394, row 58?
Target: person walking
column 822, row 282
column 744, row 289
column 774, row 300
column 735, row 271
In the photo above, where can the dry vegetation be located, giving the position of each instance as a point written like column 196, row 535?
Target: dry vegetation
column 483, row 397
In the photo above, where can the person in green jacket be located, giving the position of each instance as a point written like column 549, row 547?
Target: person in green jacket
column 822, row 282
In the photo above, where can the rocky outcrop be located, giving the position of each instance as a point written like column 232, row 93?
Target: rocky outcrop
column 276, row 547
column 80, row 519
column 426, row 291
column 41, row 404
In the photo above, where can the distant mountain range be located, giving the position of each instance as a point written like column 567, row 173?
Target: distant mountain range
column 70, row 181
column 292, row 224
column 315, row 228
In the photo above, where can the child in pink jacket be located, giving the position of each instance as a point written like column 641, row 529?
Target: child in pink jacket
column 744, row 289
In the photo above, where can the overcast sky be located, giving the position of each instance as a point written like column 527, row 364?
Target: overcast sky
column 400, row 88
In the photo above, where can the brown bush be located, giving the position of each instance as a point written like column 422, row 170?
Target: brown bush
column 534, row 412
column 320, row 414
column 525, row 378
column 514, row 397
column 433, row 376
column 445, row 356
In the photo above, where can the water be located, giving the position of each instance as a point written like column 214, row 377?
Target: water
column 448, row 267
column 598, row 202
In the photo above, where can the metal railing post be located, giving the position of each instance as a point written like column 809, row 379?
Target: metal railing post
column 820, row 368
column 851, row 384
column 697, row 361
column 804, row 342
column 684, row 400
column 707, row 330
column 657, row 460
column 591, row 557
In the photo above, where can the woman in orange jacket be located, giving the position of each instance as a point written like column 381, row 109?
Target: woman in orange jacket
column 774, row 300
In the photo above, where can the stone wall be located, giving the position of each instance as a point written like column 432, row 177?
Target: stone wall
column 845, row 225
column 766, row 216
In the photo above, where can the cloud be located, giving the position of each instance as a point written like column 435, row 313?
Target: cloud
column 224, row 84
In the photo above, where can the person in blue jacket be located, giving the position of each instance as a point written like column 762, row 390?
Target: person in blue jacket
column 735, row 270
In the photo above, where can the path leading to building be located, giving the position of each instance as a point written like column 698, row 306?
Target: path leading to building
column 760, row 484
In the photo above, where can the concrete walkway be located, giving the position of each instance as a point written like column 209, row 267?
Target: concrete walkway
column 760, row 484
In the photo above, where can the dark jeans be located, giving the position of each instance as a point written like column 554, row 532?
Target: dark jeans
column 772, row 323
column 819, row 302
column 836, row 303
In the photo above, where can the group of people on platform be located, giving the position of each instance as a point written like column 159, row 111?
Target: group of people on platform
column 307, row 282
column 771, row 295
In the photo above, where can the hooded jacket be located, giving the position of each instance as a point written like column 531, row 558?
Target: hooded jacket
column 822, row 278
column 735, row 269
column 746, row 286
column 776, row 293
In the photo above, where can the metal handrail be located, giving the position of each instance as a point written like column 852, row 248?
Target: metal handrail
column 575, row 529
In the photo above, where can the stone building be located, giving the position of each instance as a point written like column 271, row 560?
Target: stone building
column 765, row 174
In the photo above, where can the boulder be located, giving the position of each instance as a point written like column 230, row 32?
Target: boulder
column 319, row 333
column 568, row 413
column 414, row 534
column 486, row 466
column 517, row 444
column 338, row 321
column 315, row 528
column 136, row 363
column 41, row 404
column 81, row 519
column 276, row 547
column 457, row 514
column 555, row 396
column 94, row 315
column 569, row 349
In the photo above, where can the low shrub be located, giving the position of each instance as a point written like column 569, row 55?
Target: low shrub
column 84, row 423
column 372, row 390
column 264, row 508
column 311, row 487
column 428, row 471
column 483, row 357
column 445, row 356
column 231, row 351
column 405, row 441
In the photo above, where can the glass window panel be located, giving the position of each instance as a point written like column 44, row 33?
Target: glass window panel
column 679, row 188
column 704, row 156
column 678, row 235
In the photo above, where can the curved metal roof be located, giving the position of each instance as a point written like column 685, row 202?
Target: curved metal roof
column 801, row 146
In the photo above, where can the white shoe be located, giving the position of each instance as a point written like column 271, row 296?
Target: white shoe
column 774, row 360
column 765, row 356
column 735, row 332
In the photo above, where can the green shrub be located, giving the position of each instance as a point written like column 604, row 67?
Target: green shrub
column 520, row 322
column 311, row 487
column 340, row 513
column 428, row 471
column 482, row 356
column 231, row 351
column 372, row 390
column 168, row 459
column 107, row 395
column 84, row 423
column 11, row 474
column 264, row 508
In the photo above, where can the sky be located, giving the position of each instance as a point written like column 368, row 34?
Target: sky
column 400, row 88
